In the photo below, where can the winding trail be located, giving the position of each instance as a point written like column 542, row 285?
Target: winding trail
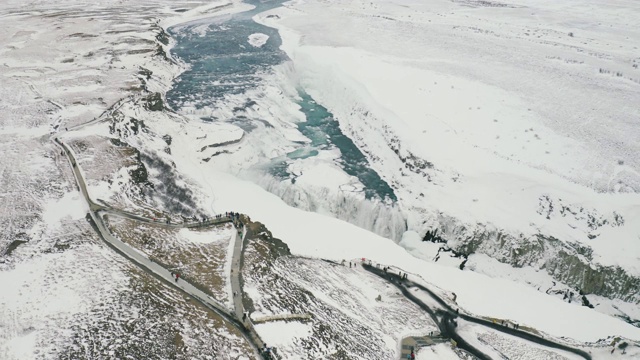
column 236, row 272
column 96, row 211
column 236, row 287
column 445, row 317
column 235, row 276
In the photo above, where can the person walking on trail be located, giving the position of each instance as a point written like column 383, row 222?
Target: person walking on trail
column 177, row 277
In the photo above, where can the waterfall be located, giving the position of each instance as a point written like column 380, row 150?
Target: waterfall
column 386, row 220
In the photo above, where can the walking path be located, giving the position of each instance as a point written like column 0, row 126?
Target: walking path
column 236, row 272
column 157, row 222
column 445, row 317
column 235, row 276
column 268, row 318
column 154, row 268
column 236, row 288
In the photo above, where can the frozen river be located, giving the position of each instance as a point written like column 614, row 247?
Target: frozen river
column 229, row 56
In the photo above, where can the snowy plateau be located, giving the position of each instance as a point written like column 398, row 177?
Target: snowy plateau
column 319, row 179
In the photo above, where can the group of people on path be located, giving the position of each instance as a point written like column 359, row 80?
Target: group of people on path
column 506, row 323
column 400, row 274
column 235, row 218
column 230, row 214
column 353, row 264
column 238, row 224
column 203, row 219
column 175, row 275
column 385, row 269
column 411, row 356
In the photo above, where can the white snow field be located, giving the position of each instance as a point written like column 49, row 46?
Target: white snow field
column 502, row 120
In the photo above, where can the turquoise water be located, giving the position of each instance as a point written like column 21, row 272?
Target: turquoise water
column 222, row 63
column 324, row 132
column 302, row 153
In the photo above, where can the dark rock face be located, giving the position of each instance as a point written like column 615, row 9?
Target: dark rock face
column 139, row 175
column 162, row 36
column 167, row 188
column 167, row 138
column 569, row 263
column 154, row 102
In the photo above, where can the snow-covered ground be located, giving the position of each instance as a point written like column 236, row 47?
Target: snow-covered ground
column 202, row 256
column 498, row 345
column 499, row 121
column 87, row 302
column 347, row 319
column 440, row 351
